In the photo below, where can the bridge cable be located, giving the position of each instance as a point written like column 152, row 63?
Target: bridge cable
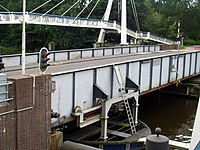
column 118, row 9
column 93, row 9
column 53, row 7
column 40, row 6
column 135, row 14
column 138, row 24
column 81, row 12
column 70, row 7
column 4, row 8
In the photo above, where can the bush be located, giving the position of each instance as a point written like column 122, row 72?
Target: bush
column 197, row 42
column 182, row 47
column 191, row 42
column 8, row 50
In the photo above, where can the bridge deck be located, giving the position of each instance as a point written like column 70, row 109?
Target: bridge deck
column 60, row 67
column 76, row 79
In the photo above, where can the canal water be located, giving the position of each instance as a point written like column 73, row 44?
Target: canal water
column 173, row 114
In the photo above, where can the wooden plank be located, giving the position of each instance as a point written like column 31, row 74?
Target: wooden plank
column 117, row 133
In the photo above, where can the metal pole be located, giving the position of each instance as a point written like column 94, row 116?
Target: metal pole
column 179, row 27
column 123, row 23
column 182, row 38
column 23, row 38
column 104, row 121
column 136, row 108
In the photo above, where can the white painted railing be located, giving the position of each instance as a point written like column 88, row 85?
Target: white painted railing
column 62, row 55
column 55, row 20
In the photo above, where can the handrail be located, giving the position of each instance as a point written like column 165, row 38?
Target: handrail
column 49, row 19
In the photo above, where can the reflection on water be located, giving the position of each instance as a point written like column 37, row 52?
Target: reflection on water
column 175, row 115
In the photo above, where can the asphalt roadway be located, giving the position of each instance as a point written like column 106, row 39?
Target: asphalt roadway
column 92, row 62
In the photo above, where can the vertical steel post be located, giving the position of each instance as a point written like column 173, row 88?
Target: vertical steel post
column 136, row 107
column 104, row 120
column 123, row 24
column 23, row 38
column 179, row 27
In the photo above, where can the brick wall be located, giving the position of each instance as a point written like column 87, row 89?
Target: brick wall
column 8, row 124
column 28, row 126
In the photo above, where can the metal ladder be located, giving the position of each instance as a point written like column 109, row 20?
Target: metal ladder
column 123, row 94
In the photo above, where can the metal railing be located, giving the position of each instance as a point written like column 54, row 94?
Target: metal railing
column 37, row 18
column 4, row 96
column 63, row 55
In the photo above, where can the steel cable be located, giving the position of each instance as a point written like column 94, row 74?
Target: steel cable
column 93, row 8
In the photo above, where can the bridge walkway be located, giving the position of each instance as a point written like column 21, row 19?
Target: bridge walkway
column 56, row 20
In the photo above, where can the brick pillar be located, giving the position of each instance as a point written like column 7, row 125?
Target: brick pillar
column 8, row 124
column 31, row 116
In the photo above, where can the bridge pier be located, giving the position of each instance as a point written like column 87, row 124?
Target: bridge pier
column 101, row 37
column 27, row 117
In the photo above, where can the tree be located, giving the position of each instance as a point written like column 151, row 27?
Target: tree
column 157, row 16
column 186, row 10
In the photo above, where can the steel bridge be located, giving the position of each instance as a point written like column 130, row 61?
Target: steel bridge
column 90, row 84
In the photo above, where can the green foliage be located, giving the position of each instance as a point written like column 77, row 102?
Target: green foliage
column 155, row 16
column 191, row 42
column 38, row 36
column 8, row 50
column 187, row 10
column 154, row 21
column 182, row 47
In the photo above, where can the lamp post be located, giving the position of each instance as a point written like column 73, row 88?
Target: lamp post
column 23, row 38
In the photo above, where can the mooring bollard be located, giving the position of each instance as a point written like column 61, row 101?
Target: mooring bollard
column 157, row 141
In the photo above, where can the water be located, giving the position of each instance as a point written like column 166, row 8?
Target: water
column 175, row 115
